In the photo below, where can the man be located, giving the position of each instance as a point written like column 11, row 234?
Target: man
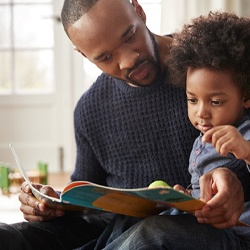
column 131, row 128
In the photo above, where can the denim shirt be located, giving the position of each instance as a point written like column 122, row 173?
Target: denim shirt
column 205, row 158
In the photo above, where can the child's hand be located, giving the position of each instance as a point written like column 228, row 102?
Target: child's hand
column 182, row 189
column 227, row 139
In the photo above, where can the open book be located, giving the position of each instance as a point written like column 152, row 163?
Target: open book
column 140, row 202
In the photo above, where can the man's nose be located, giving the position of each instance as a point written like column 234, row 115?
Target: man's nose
column 128, row 59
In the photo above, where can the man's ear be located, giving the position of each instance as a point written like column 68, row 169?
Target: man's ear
column 139, row 10
column 76, row 49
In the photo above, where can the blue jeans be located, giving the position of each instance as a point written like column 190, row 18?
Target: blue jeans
column 165, row 231
column 173, row 232
column 64, row 233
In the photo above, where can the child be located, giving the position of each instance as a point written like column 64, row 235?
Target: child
column 211, row 58
column 215, row 68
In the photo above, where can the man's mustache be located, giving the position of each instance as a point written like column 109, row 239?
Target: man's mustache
column 137, row 64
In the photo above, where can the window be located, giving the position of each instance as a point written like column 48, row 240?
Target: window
column 26, row 47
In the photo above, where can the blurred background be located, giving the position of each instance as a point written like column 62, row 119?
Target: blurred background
column 42, row 77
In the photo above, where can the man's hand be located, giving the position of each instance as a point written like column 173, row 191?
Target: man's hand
column 223, row 192
column 34, row 210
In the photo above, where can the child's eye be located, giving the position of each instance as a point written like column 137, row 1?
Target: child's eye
column 192, row 100
column 217, row 103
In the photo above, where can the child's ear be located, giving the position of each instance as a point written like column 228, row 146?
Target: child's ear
column 246, row 103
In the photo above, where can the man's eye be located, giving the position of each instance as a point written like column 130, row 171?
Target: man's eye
column 130, row 37
column 192, row 100
column 106, row 58
column 217, row 103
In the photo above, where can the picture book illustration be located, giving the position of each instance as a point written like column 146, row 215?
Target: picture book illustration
column 140, row 202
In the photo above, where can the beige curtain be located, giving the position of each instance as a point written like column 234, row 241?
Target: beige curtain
column 176, row 12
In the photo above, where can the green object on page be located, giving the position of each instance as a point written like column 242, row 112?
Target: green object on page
column 158, row 183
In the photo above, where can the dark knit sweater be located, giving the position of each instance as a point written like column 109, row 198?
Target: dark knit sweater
column 128, row 137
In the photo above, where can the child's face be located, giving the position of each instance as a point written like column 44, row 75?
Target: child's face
column 213, row 99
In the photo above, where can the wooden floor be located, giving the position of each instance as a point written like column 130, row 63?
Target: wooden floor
column 9, row 204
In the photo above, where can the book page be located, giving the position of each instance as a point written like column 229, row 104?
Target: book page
column 40, row 196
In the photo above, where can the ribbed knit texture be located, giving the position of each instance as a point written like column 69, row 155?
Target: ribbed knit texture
column 128, row 137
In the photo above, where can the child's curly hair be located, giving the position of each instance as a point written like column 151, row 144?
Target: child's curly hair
column 219, row 41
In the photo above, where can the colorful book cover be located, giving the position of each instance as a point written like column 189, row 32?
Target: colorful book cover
column 140, row 202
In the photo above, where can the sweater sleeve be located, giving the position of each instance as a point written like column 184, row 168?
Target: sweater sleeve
column 87, row 166
column 244, row 177
column 243, row 171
